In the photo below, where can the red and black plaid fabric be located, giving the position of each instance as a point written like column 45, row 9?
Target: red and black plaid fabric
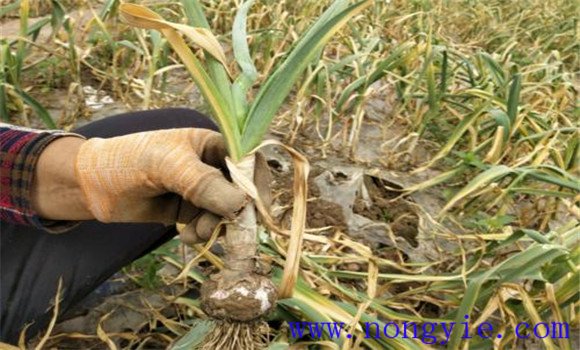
column 20, row 149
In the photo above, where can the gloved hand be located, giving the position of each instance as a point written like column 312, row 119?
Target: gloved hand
column 164, row 176
column 128, row 178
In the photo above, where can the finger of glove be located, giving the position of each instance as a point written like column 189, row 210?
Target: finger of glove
column 187, row 212
column 204, row 186
column 263, row 179
column 200, row 228
column 210, row 146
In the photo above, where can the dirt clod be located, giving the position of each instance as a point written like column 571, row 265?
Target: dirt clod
column 385, row 208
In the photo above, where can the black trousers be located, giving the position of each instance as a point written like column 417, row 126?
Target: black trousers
column 32, row 261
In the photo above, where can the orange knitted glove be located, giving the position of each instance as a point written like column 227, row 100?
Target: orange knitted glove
column 142, row 177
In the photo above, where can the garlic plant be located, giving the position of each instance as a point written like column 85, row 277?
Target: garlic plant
column 239, row 293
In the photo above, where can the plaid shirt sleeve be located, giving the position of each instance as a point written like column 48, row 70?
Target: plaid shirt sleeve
column 20, row 149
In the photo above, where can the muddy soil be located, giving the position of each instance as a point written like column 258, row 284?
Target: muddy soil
column 378, row 204
column 320, row 213
column 388, row 206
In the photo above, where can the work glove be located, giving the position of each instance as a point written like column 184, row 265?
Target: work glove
column 164, row 176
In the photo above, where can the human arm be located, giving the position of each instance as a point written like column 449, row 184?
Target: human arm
column 20, row 150
column 133, row 178
column 56, row 194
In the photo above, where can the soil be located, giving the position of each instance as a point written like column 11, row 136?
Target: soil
column 386, row 207
column 320, row 213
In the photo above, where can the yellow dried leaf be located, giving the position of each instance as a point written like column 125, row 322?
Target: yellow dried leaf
column 142, row 17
